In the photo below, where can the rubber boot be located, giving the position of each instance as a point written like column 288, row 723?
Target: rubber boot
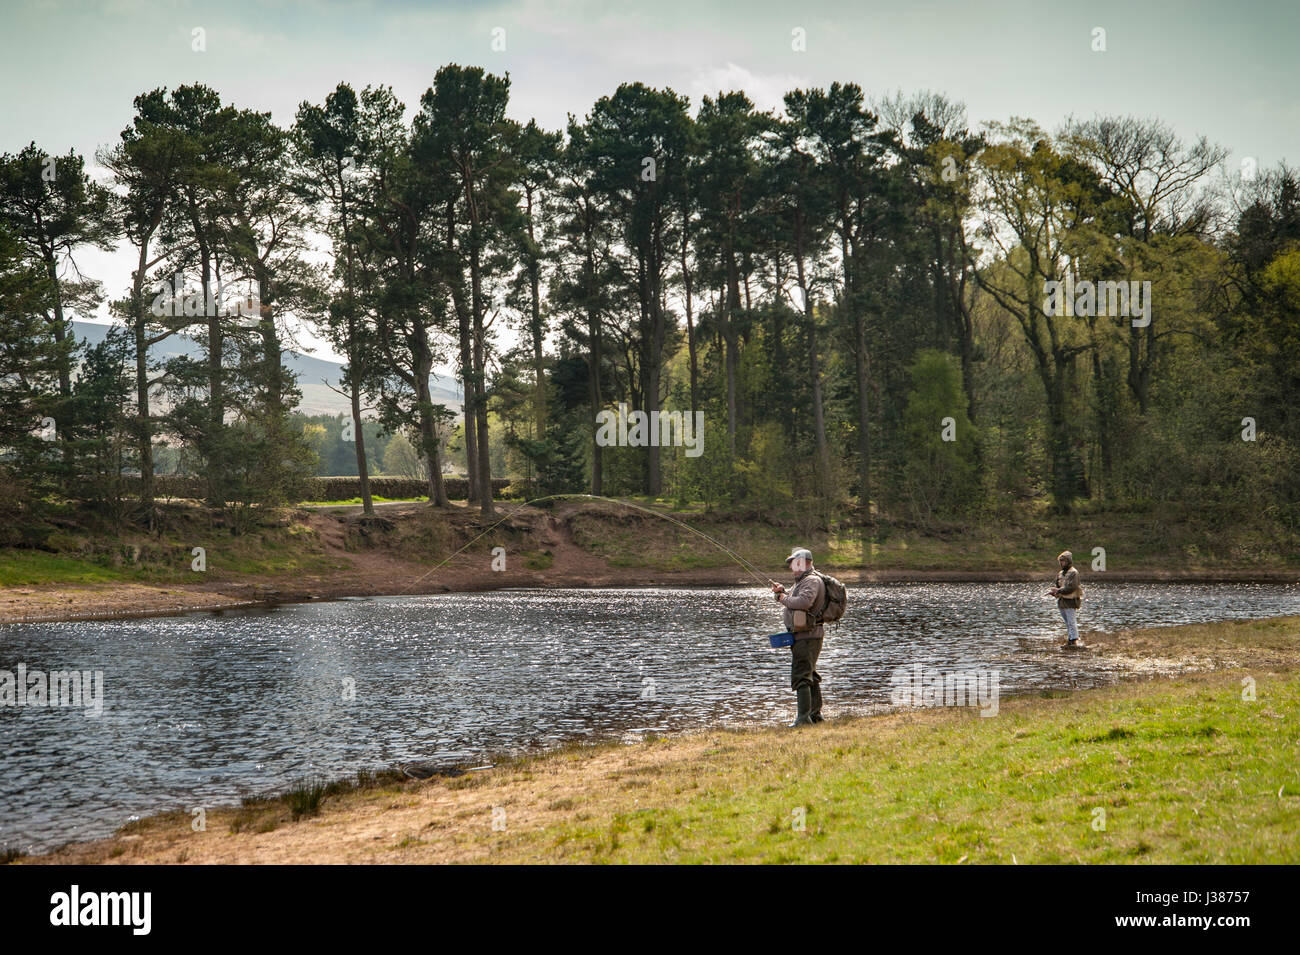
column 816, row 714
column 803, row 717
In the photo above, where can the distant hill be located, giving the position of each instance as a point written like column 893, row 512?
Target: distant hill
column 315, row 375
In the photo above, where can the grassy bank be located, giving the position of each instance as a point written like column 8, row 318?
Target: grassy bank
column 86, row 555
column 1133, row 540
column 1170, row 771
column 287, row 544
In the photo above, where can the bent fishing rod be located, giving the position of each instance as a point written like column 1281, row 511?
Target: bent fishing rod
column 748, row 567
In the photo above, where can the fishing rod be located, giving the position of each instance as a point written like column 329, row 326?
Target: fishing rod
column 748, row 567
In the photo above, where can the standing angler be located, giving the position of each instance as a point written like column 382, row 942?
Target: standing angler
column 1069, row 595
column 803, row 606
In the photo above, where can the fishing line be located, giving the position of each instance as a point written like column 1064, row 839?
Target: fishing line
column 746, row 565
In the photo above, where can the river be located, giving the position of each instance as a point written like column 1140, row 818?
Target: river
column 202, row 709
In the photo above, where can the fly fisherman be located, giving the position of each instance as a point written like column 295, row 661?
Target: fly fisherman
column 802, row 606
column 1068, row 594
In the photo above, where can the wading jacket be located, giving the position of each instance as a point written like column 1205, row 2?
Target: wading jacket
column 1067, row 581
column 807, row 595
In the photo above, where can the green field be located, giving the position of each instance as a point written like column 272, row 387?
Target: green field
column 1176, row 773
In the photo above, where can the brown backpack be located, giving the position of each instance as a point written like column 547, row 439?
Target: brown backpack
column 835, row 601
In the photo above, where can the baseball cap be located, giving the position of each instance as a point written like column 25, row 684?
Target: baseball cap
column 797, row 553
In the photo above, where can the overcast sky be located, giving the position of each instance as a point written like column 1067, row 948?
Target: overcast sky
column 69, row 70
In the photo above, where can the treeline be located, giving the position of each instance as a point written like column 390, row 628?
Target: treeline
column 872, row 306
column 388, row 454
column 329, row 488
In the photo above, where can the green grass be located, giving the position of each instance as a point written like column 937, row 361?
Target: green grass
column 99, row 559
column 305, row 798
column 1184, row 772
column 1029, row 543
column 94, row 555
column 23, row 568
column 538, row 560
column 376, row 499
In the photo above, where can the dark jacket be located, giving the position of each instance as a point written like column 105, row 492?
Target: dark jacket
column 1067, row 582
column 808, row 594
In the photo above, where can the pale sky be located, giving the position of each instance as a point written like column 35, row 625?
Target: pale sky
column 69, row 70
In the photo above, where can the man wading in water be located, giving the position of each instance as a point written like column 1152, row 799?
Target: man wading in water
column 802, row 606
column 1069, row 596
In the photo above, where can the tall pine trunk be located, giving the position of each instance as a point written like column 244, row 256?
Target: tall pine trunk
column 144, row 430
column 535, row 326
column 594, row 344
column 429, row 429
column 60, row 327
column 479, row 345
column 354, row 355
column 814, row 366
column 467, row 411
column 654, row 365
column 862, row 371
column 690, row 332
column 730, row 351
column 216, row 391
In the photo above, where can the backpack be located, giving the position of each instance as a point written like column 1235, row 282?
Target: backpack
column 837, row 598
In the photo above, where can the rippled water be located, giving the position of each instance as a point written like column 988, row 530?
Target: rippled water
column 202, row 709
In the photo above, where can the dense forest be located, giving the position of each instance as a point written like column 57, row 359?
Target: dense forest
column 875, row 308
